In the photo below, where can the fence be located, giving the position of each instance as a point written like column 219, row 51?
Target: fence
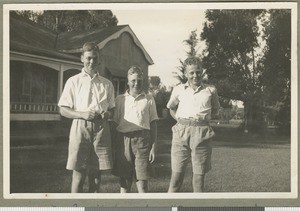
column 33, row 107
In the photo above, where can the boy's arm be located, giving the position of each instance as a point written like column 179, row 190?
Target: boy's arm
column 72, row 114
column 173, row 102
column 173, row 113
column 153, row 136
column 111, row 103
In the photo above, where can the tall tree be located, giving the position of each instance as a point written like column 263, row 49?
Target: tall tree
column 276, row 76
column 192, row 43
column 229, row 58
column 71, row 20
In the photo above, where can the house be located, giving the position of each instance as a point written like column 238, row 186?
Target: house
column 41, row 61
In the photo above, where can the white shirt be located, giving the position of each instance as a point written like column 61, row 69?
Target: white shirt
column 83, row 93
column 132, row 114
column 196, row 104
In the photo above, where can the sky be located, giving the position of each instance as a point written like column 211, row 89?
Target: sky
column 162, row 33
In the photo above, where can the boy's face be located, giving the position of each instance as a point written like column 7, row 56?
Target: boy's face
column 194, row 74
column 90, row 60
column 135, row 83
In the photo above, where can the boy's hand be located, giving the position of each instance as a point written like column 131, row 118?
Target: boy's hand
column 106, row 115
column 88, row 115
column 152, row 154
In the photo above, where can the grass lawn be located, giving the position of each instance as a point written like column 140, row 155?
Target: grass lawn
column 240, row 163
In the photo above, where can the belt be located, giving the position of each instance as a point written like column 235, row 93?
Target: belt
column 193, row 122
column 136, row 133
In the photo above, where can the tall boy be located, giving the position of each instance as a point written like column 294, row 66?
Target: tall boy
column 192, row 104
column 88, row 99
column 135, row 117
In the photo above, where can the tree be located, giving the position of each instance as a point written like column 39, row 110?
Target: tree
column 71, row 20
column 192, row 43
column 276, row 76
column 27, row 14
column 229, row 58
column 225, row 102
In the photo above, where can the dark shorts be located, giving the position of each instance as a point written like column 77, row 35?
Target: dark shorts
column 89, row 145
column 191, row 142
column 132, row 155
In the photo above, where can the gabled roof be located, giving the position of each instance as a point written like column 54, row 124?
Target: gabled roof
column 29, row 37
column 73, row 42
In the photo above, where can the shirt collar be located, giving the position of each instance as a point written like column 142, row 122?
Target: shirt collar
column 186, row 85
column 141, row 94
column 84, row 73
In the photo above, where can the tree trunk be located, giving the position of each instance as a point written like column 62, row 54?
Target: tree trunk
column 245, row 118
column 253, row 118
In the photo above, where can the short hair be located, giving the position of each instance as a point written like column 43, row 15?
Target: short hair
column 193, row 60
column 90, row 46
column 135, row 70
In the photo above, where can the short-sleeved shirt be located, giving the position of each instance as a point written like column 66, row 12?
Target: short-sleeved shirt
column 83, row 93
column 133, row 114
column 197, row 104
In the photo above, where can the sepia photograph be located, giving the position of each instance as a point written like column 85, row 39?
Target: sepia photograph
column 136, row 100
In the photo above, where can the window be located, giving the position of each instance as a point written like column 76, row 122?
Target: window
column 32, row 82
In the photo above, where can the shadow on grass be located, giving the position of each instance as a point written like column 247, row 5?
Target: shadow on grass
column 38, row 165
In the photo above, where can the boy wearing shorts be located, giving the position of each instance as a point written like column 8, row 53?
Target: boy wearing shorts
column 192, row 105
column 88, row 99
column 135, row 121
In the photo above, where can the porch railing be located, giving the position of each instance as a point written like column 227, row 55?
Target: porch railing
column 17, row 107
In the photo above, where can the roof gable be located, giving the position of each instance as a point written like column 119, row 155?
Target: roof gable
column 72, row 43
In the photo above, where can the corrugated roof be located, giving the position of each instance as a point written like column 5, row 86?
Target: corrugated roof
column 29, row 37
column 73, row 40
column 24, row 48
column 31, row 34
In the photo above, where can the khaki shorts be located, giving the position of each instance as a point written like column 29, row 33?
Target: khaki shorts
column 191, row 142
column 132, row 155
column 89, row 145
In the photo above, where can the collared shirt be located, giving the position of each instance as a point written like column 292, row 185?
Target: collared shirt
column 132, row 114
column 83, row 93
column 197, row 104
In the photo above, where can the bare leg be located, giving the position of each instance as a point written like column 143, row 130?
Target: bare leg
column 94, row 181
column 142, row 186
column 198, row 182
column 125, row 185
column 78, row 181
column 176, row 181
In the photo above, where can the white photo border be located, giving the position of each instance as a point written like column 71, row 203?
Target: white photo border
column 155, row 6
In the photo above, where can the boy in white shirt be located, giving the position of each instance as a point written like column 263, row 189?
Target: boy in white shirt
column 88, row 99
column 192, row 104
column 135, row 118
